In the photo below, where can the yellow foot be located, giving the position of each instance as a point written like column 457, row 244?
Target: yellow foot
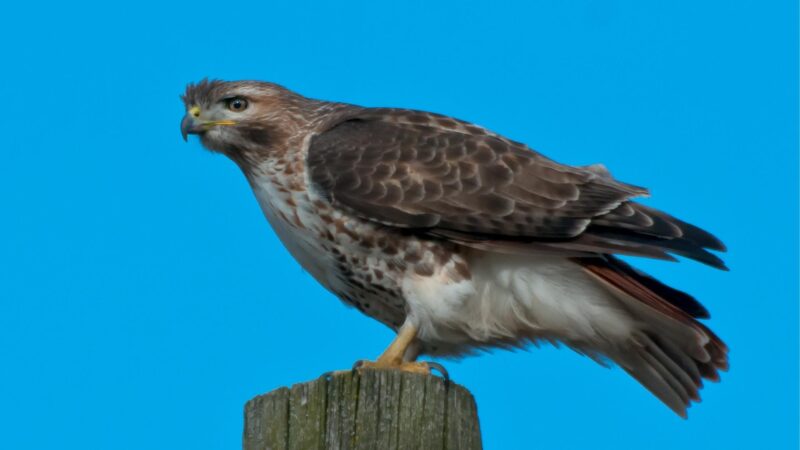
column 392, row 357
column 423, row 367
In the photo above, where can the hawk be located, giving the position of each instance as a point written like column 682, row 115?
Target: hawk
column 461, row 239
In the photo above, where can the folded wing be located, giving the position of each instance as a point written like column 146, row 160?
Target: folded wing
column 442, row 177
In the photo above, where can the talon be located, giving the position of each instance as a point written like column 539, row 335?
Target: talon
column 439, row 368
column 358, row 364
column 423, row 367
column 392, row 358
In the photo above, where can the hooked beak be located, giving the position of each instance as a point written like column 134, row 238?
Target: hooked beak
column 189, row 126
column 192, row 124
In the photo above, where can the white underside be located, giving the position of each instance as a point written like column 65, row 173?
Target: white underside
column 302, row 246
column 540, row 297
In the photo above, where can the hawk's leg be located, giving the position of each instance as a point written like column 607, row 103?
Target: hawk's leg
column 393, row 356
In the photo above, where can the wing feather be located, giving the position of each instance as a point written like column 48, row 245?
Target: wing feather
column 451, row 179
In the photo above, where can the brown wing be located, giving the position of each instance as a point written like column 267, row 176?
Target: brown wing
column 447, row 178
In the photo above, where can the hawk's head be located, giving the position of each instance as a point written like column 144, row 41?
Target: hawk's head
column 239, row 116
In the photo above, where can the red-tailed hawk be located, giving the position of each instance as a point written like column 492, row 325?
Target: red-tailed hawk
column 461, row 239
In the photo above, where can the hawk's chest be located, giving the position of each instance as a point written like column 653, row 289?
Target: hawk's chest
column 353, row 258
column 287, row 207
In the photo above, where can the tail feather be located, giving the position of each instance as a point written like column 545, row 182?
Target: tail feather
column 684, row 361
column 671, row 353
column 657, row 372
column 659, row 381
column 670, row 366
column 680, row 299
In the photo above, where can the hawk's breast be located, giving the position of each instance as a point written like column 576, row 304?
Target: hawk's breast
column 350, row 257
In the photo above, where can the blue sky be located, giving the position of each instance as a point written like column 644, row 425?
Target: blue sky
column 144, row 299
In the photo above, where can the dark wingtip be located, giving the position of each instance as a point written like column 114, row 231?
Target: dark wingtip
column 709, row 241
column 691, row 249
column 719, row 245
column 710, row 259
column 693, row 233
column 703, row 256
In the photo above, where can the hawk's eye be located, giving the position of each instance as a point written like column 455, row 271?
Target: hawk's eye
column 236, row 104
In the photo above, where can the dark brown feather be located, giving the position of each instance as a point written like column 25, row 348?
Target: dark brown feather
column 450, row 179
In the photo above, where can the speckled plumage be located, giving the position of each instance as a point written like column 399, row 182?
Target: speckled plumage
column 477, row 240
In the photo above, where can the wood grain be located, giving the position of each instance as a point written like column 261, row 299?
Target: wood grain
column 371, row 409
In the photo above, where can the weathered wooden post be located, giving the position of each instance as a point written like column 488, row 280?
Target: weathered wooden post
column 368, row 409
